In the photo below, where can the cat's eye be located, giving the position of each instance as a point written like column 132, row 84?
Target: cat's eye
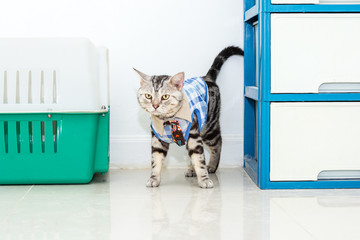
column 148, row 96
column 165, row 97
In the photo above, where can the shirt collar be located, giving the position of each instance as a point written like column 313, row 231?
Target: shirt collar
column 183, row 113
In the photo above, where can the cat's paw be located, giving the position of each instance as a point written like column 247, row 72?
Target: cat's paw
column 190, row 173
column 153, row 182
column 211, row 169
column 206, row 183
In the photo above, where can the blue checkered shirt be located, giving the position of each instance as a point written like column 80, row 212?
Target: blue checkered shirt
column 197, row 94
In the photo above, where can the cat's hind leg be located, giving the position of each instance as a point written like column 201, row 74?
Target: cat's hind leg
column 159, row 151
column 215, row 146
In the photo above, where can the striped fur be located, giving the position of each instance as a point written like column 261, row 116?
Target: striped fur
column 159, row 151
column 195, row 147
column 210, row 135
column 219, row 61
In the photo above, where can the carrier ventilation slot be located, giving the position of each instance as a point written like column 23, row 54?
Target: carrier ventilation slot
column 18, row 141
column 54, row 88
column 29, row 87
column 17, row 88
column 43, row 137
column 55, row 135
column 29, row 136
column 5, row 96
column 6, row 137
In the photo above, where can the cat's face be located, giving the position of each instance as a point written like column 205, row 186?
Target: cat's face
column 162, row 95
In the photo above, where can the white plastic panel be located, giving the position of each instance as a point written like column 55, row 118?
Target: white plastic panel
column 52, row 75
column 339, row 2
column 315, row 1
column 308, row 50
column 294, row 1
column 309, row 138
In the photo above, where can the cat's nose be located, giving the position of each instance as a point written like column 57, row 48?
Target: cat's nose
column 156, row 106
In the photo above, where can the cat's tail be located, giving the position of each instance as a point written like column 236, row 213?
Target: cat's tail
column 219, row 61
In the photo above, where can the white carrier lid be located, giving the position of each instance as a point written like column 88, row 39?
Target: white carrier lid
column 53, row 75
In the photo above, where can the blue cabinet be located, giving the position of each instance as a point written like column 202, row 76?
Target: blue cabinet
column 302, row 93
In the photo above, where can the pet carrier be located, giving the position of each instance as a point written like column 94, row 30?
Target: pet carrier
column 54, row 111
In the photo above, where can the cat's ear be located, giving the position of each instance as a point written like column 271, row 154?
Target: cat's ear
column 143, row 77
column 178, row 80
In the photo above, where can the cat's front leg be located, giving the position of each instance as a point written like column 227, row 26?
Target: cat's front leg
column 159, row 151
column 196, row 152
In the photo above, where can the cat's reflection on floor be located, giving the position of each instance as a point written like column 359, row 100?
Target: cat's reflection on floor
column 199, row 220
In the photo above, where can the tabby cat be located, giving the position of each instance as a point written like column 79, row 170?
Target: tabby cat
column 185, row 112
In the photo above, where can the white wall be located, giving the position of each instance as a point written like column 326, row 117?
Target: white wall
column 156, row 37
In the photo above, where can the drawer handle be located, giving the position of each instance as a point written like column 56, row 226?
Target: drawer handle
column 339, row 175
column 335, row 87
column 339, row 201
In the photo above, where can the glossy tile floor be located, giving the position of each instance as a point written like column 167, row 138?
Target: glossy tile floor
column 119, row 206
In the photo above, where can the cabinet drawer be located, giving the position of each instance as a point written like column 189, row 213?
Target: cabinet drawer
column 309, row 141
column 312, row 53
column 315, row 1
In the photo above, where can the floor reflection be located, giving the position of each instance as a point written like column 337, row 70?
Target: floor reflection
column 199, row 219
column 58, row 212
column 119, row 206
column 302, row 214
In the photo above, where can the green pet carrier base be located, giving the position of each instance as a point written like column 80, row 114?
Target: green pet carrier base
column 53, row 148
column 54, row 111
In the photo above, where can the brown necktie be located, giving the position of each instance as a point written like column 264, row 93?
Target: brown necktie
column 176, row 132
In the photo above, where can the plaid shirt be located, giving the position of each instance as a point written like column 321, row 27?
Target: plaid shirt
column 197, row 94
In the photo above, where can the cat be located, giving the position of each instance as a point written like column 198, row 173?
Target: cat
column 185, row 112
